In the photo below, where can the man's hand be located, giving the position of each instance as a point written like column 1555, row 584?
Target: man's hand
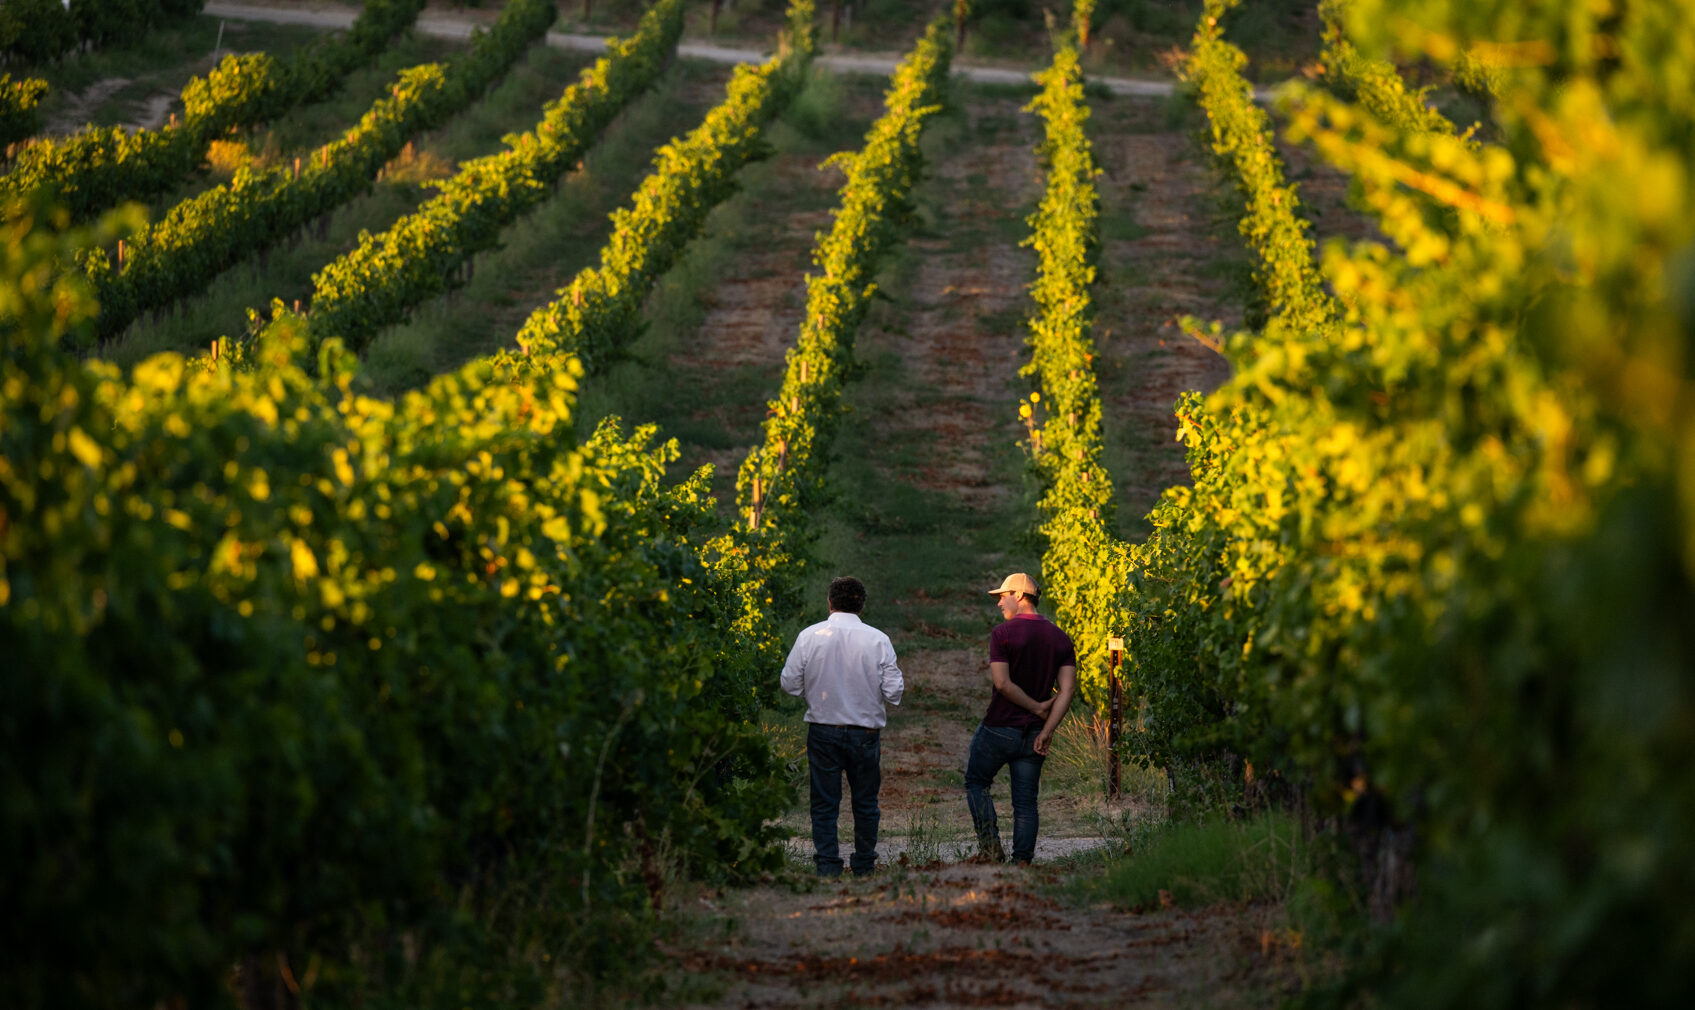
column 1000, row 675
column 1056, row 707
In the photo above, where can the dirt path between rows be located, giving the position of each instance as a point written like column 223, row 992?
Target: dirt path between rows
column 1165, row 253
column 970, row 936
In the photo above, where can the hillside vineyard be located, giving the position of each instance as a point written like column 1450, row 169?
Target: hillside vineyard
column 320, row 684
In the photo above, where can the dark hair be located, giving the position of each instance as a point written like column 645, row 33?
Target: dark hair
column 847, row 595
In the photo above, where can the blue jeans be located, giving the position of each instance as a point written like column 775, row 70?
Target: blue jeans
column 831, row 752
column 991, row 748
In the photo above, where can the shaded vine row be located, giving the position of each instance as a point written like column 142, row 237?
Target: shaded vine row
column 102, row 166
column 379, row 280
column 198, row 239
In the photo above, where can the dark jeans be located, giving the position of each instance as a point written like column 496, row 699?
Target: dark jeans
column 833, row 751
column 991, row 748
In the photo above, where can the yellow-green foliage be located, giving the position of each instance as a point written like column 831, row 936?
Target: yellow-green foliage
column 20, row 115
column 1375, row 85
column 283, row 658
column 1438, row 562
column 204, row 235
column 1242, row 139
column 1083, row 564
column 1082, row 18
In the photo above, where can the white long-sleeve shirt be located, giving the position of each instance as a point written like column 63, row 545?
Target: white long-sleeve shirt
column 846, row 670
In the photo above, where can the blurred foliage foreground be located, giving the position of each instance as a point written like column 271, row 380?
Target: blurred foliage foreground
column 1436, row 574
column 294, row 676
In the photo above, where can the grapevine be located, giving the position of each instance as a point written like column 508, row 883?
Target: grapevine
column 1083, row 564
column 367, row 646
column 20, row 118
column 101, row 166
column 1431, row 513
column 781, row 483
column 598, row 313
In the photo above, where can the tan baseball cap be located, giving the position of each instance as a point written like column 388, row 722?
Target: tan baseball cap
column 1017, row 582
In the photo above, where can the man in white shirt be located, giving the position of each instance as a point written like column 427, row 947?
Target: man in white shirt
column 846, row 670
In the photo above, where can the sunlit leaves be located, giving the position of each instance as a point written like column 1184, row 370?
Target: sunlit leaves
column 20, row 101
column 1425, row 520
column 1083, row 566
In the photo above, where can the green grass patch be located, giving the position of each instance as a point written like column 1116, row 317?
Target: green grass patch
column 816, row 113
column 1189, row 865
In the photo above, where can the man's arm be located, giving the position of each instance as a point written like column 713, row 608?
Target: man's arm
column 794, row 670
column 893, row 684
column 1001, row 674
column 1061, row 702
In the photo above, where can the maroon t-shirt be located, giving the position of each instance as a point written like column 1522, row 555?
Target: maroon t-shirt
column 1033, row 648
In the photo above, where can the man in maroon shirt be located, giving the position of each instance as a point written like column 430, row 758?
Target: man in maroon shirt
column 1029, row 659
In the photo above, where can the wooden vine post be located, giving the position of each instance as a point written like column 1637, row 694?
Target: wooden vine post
column 1115, row 717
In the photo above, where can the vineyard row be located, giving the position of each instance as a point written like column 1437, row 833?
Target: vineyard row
column 1082, row 563
column 781, row 484
column 103, row 166
column 1436, row 507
